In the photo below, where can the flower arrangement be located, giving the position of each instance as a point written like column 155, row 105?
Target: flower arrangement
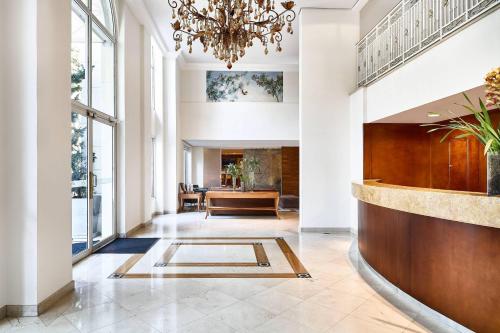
column 492, row 82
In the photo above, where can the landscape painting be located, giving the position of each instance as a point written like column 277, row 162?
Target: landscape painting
column 225, row 86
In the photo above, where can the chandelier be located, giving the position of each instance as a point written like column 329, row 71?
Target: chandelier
column 228, row 27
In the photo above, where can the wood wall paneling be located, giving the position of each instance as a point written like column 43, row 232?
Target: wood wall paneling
column 290, row 170
column 405, row 154
column 452, row 267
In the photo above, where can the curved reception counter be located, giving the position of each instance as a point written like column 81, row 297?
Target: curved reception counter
column 440, row 247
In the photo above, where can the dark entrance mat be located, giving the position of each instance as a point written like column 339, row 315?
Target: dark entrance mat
column 129, row 245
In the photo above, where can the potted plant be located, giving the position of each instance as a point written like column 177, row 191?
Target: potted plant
column 235, row 171
column 483, row 129
column 248, row 167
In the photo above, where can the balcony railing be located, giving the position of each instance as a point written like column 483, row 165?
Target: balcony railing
column 409, row 29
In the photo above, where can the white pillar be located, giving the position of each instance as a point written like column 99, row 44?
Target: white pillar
column 130, row 187
column 36, row 147
column 172, row 144
column 327, row 76
column 357, row 116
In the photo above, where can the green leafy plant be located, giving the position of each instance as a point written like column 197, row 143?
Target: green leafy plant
column 248, row 167
column 484, row 130
column 251, row 164
column 77, row 75
column 233, row 170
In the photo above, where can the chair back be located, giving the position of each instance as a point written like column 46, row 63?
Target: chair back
column 182, row 188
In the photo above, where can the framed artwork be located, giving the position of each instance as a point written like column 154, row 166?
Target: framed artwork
column 229, row 86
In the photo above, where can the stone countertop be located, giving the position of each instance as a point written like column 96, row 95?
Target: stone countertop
column 467, row 207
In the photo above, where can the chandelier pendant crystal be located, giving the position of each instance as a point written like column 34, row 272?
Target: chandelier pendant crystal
column 228, row 27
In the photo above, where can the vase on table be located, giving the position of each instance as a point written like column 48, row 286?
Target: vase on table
column 243, row 187
column 234, row 183
column 493, row 174
column 251, row 180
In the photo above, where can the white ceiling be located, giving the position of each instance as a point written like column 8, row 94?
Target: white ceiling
column 234, row 144
column 448, row 107
column 161, row 13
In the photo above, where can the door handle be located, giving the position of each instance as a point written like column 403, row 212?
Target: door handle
column 91, row 185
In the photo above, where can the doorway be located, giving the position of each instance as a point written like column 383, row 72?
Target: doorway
column 92, row 182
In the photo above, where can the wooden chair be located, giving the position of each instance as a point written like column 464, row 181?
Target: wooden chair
column 185, row 195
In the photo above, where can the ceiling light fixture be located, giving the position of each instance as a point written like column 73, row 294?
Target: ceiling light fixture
column 228, row 27
column 432, row 114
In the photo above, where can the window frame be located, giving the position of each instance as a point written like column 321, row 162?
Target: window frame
column 93, row 114
column 92, row 19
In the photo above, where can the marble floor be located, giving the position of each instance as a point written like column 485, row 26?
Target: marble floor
column 335, row 298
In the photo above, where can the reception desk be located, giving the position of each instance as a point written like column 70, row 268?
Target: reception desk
column 440, row 247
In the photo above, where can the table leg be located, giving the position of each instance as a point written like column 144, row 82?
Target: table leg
column 276, row 206
column 207, row 204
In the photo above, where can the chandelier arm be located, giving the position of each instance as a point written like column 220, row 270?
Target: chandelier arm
column 193, row 12
column 172, row 4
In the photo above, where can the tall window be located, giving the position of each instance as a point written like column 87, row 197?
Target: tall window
column 93, row 125
column 93, row 55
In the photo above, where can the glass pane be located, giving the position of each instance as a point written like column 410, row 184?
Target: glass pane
column 103, row 182
column 102, row 10
column 103, row 94
column 79, row 168
column 79, row 63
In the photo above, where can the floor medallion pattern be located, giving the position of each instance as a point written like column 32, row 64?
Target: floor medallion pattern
column 214, row 257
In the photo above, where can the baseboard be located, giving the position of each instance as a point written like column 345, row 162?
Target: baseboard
column 135, row 229
column 15, row 311
column 337, row 231
column 52, row 299
column 36, row 310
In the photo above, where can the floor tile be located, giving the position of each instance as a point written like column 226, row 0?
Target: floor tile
column 274, row 301
column 207, row 325
column 379, row 312
column 60, row 325
column 353, row 324
column 209, row 301
column 99, row 316
column 281, row 325
column 170, row 317
column 242, row 315
column 337, row 300
column 131, row 325
column 316, row 317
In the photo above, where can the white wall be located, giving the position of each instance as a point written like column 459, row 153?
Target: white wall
column 36, row 187
column 371, row 14
column 356, row 120
column 327, row 76
column 457, row 64
column 202, row 120
column 197, row 165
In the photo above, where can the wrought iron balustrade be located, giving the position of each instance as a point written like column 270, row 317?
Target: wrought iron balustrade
column 409, row 29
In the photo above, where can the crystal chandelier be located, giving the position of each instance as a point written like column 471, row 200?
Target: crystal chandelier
column 228, row 27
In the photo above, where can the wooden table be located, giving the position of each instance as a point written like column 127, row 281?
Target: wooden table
column 242, row 201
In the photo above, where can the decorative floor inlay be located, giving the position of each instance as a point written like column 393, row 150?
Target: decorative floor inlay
column 287, row 264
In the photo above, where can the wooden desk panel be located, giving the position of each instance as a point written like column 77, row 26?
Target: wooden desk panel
column 451, row 267
column 242, row 202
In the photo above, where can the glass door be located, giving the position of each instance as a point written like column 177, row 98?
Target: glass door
column 79, row 184
column 92, row 183
column 103, row 227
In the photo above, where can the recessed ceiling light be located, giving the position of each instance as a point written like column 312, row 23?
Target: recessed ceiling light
column 432, row 114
